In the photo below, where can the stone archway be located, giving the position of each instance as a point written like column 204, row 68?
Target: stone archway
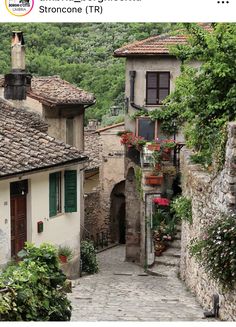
column 118, row 214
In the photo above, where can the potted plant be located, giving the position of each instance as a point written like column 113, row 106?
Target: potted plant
column 154, row 178
column 64, row 253
column 153, row 146
column 169, row 170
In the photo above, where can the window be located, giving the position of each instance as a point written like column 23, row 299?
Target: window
column 54, row 194
column 70, row 190
column 70, row 131
column 157, row 87
column 146, row 128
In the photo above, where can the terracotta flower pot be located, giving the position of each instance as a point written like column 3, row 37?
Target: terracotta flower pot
column 153, row 147
column 63, row 258
column 153, row 180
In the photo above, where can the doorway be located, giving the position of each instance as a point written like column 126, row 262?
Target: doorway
column 18, row 195
column 117, row 214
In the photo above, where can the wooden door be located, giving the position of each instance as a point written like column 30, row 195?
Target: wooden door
column 18, row 223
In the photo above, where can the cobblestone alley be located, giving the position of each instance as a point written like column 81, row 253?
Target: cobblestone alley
column 122, row 292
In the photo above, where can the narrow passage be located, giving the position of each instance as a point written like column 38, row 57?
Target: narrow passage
column 122, row 292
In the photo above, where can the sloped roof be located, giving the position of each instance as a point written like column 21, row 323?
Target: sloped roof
column 52, row 91
column 106, row 128
column 25, row 148
column 92, row 148
column 156, row 45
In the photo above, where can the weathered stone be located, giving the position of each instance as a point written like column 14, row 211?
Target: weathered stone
column 210, row 198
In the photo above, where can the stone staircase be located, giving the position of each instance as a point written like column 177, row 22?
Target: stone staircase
column 168, row 263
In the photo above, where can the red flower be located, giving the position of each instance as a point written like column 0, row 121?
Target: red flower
column 161, row 201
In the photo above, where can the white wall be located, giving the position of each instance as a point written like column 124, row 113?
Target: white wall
column 5, row 223
column 61, row 229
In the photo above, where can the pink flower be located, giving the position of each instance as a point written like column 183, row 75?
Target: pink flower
column 161, row 201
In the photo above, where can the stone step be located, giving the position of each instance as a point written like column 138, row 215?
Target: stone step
column 163, row 271
column 178, row 228
column 175, row 244
column 167, row 261
column 178, row 236
column 172, row 252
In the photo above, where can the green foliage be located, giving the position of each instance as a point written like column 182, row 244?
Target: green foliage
column 216, row 252
column 204, row 97
column 80, row 53
column 164, row 223
column 88, row 257
column 65, row 251
column 138, row 179
column 108, row 120
column 32, row 290
column 182, row 208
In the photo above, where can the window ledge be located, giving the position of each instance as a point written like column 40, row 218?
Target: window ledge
column 57, row 215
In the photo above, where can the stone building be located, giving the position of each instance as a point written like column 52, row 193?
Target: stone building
column 104, row 184
column 40, row 184
column 54, row 200
column 151, row 71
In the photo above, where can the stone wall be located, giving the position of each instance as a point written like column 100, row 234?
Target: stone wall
column 92, row 214
column 211, row 195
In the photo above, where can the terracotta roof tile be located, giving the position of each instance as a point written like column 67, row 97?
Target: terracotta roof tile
column 155, row 45
column 92, row 148
column 24, row 147
column 52, row 90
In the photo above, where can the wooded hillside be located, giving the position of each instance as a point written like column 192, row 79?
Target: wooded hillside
column 81, row 54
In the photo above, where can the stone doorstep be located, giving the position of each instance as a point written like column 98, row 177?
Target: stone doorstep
column 172, row 252
column 167, row 261
column 161, row 271
column 175, row 244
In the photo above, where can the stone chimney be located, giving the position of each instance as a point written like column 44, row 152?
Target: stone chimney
column 18, row 80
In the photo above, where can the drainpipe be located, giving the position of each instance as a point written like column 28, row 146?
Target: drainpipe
column 18, row 81
column 132, row 75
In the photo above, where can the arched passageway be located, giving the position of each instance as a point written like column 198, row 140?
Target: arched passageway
column 117, row 214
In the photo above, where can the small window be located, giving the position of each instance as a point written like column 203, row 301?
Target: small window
column 158, row 87
column 70, row 131
column 54, row 194
column 146, row 128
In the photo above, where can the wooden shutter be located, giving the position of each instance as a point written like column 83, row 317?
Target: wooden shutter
column 52, row 194
column 151, row 92
column 70, row 190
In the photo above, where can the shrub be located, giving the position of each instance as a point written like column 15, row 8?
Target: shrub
column 32, row 290
column 182, row 208
column 216, row 251
column 88, row 257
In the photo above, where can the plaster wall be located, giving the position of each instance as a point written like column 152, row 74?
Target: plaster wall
column 63, row 229
column 111, row 170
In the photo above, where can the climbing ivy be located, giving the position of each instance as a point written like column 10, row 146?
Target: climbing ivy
column 138, row 179
column 204, row 97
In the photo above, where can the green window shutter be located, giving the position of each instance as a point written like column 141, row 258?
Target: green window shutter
column 70, row 190
column 52, row 194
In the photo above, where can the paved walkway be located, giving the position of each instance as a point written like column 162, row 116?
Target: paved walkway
column 122, row 292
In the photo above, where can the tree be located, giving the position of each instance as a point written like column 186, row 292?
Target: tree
column 204, row 99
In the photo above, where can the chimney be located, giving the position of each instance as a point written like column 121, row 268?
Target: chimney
column 18, row 80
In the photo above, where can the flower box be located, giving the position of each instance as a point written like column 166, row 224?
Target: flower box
column 153, row 180
column 154, row 147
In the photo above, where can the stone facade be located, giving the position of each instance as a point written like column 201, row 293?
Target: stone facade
column 92, row 214
column 211, row 195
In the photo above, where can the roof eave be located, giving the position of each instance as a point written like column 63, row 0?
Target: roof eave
column 46, row 168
